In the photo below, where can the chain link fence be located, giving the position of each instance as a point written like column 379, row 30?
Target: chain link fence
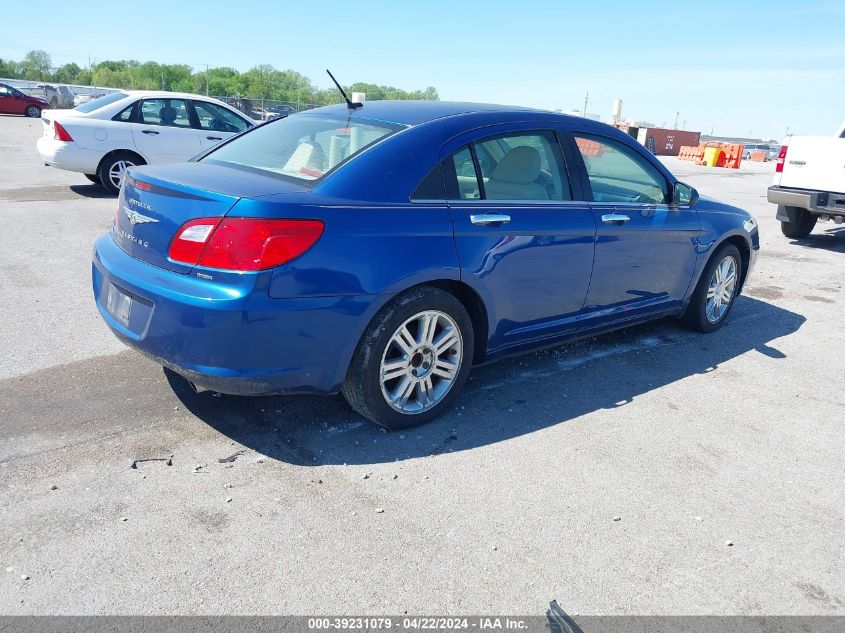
column 265, row 109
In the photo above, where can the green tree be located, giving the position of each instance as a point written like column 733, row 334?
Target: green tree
column 37, row 65
column 9, row 69
column 67, row 74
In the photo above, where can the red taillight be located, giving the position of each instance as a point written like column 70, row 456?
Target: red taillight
column 243, row 244
column 60, row 134
column 781, row 158
column 191, row 239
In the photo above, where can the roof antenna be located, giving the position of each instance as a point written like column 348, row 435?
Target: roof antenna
column 349, row 103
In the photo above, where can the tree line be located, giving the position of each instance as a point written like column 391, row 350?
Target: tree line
column 259, row 82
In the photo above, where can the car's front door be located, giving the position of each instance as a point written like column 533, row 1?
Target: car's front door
column 10, row 101
column 215, row 123
column 645, row 247
column 162, row 131
column 521, row 239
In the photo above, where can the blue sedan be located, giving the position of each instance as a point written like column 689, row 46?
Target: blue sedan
column 383, row 251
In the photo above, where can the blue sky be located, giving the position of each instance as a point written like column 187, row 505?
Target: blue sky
column 740, row 68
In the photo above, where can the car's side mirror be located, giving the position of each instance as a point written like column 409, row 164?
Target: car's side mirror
column 683, row 195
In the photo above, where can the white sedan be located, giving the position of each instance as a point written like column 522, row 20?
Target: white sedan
column 101, row 138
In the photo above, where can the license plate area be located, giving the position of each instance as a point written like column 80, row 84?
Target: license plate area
column 119, row 304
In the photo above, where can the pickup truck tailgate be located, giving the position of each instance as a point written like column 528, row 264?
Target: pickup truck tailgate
column 814, row 162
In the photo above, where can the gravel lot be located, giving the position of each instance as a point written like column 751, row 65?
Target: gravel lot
column 609, row 474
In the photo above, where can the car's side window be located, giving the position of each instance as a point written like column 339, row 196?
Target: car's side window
column 525, row 166
column 216, row 119
column 467, row 186
column 125, row 114
column 168, row 112
column 618, row 175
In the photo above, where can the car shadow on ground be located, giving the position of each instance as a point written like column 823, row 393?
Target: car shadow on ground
column 91, row 191
column 502, row 400
column 829, row 239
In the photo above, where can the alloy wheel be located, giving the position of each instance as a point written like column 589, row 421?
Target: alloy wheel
column 117, row 170
column 721, row 290
column 421, row 362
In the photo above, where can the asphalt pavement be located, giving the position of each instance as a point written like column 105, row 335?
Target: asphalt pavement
column 650, row 471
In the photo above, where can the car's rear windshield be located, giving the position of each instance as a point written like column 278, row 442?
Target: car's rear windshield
column 96, row 104
column 301, row 146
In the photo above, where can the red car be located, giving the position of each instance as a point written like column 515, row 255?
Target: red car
column 13, row 101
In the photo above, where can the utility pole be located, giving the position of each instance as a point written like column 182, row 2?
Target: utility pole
column 684, row 124
column 787, row 130
column 586, row 99
column 677, row 114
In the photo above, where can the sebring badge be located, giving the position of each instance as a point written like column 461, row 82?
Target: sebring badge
column 136, row 218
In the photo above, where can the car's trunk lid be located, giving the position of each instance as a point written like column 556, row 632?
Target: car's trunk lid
column 155, row 201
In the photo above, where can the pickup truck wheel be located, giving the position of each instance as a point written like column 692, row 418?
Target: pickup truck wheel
column 716, row 292
column 803, row 225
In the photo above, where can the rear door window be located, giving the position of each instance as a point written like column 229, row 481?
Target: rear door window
column 516, row 167
column 522, row 167
column 166, row 112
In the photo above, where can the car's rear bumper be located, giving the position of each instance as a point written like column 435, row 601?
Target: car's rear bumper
column 231, row 338
column 68, row 155
column 819, row 202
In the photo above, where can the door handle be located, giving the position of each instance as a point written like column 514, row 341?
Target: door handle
column 149, row 132
column 614, row 218
column 214, row 138
column 483, row 219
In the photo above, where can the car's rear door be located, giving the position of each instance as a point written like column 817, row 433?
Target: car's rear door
column 645, row 247
column 522, row 241
column 162, row 131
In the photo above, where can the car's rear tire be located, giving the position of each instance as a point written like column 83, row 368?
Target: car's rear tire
column 33, row 112
column 412, row 360
column 93, row 178
column 112, row 167
column 803, row 225
column 716, row 292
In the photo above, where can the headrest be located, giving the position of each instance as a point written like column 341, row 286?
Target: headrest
column 521, row 166
column 167, row 113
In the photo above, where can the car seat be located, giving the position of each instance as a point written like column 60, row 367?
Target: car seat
column 514, row 178
column 167, row 115
column 307, row 156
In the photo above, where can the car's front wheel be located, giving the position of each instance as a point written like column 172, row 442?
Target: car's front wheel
column 412, row 360
column 716, row 292
column 33, row 112
column 113, row 167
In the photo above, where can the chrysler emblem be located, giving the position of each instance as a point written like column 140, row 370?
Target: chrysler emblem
column 136, row 218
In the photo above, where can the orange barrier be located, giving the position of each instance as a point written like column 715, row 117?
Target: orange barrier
column 688, row 152
column 733, row 155
column 730, row 155
column 760, row 156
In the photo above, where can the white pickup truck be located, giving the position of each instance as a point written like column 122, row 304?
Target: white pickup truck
column 809, row 182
